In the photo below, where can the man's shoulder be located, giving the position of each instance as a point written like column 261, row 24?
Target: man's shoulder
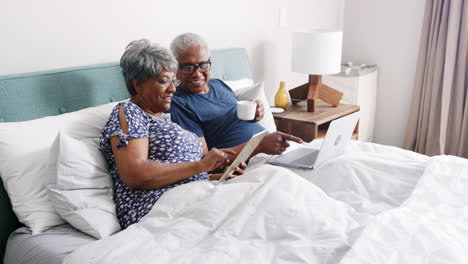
column 220, row 86
column 217, row 83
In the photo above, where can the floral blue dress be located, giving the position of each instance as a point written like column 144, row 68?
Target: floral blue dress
column 168, row 143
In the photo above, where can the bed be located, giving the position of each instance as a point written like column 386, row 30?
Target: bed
column 375, row 204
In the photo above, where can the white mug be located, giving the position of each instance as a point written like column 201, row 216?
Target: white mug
column 246, row 110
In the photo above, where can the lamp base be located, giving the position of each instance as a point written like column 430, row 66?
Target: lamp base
column 314, row 90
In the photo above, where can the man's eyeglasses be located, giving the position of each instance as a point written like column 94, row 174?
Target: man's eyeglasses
column 190, row 68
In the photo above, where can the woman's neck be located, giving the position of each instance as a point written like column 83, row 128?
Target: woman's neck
column 157, row 115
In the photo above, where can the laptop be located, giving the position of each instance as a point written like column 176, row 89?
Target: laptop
column 244, row 154
column 338, row 135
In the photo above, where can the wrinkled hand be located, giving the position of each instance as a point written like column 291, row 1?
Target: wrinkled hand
column 239, row 170
column 216, row 158
column 277, row 142
column 259, row 112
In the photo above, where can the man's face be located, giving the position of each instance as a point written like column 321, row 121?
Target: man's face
column 196, row 81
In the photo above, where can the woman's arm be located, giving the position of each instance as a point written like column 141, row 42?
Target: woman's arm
column 137, row 172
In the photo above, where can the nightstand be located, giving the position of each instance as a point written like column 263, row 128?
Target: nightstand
column 359, row 87
column 309, row 126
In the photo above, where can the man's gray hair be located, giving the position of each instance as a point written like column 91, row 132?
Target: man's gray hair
column 185, row 41
column 143, row 60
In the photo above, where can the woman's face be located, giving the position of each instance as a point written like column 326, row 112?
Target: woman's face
column 195, row 82
column 155, row 94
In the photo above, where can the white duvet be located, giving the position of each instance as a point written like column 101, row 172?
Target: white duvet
column 374, row 204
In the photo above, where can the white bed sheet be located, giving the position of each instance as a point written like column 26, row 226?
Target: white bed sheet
column 369, row 177
column 269, row 215
column 375, row 204
column 49, row 247
column 429, row 227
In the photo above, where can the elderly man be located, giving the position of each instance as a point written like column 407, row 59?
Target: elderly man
column 207, row 106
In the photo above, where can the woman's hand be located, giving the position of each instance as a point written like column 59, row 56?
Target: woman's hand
column 216, row 158
column 239, row 170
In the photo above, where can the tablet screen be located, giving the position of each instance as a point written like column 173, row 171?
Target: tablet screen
column 244, row 154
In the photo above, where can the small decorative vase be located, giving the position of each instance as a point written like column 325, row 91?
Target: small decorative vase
column 281, row 97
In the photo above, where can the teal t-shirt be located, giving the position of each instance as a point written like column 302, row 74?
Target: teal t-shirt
column 213, row 116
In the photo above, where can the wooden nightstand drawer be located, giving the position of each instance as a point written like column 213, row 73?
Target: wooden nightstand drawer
column 304, row 130
column 309, row 126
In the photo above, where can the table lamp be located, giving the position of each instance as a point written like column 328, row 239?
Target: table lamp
column 316, row 52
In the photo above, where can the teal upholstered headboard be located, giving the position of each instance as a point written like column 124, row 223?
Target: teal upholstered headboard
column 34, row 95
column 230, row 64
column 30, row 96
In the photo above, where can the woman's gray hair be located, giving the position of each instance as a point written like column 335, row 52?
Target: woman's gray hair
column 185, row 41
column 143, row 60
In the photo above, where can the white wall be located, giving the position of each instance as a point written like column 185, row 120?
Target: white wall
column 386, row 33
column 50, row 34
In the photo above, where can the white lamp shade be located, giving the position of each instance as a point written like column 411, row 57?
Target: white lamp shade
column 316, row 52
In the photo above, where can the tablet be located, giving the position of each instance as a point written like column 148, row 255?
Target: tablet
column 244, row 154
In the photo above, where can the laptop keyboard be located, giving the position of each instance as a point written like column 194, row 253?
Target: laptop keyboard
column 307, row 160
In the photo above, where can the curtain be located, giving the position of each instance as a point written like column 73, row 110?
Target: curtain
column 438, row 120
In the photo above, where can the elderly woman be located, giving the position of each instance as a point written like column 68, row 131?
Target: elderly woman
column 146, row 152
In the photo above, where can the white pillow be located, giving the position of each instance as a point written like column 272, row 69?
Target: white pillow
column 238, row 84
column 82, row 188
column 25, row 147
column 257, row 91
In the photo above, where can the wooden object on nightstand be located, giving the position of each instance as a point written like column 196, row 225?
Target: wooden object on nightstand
column 313, row 91
column 311, row 125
